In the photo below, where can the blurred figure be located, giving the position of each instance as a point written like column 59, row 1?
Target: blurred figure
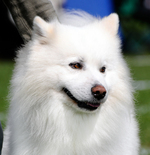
column 135, row 20
column 1, row 138
column 10, row 38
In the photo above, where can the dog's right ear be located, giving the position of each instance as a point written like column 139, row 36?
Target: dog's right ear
column 111, row 22
column 42, row 30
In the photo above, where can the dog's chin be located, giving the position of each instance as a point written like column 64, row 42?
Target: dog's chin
column 90, row 106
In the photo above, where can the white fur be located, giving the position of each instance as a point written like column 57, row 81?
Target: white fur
column 43, row 120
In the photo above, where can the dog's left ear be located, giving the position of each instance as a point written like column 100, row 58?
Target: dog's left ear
column 42, row 30
column 111, row 23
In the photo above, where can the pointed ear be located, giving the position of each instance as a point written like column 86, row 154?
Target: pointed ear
column 42, row 29
column 111, row 23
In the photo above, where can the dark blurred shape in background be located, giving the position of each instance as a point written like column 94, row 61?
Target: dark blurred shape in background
column 10, row 39
column 134, row 19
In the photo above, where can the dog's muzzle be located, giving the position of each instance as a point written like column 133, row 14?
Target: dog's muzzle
column 98, row 93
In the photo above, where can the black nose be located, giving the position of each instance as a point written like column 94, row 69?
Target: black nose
column 98, row 92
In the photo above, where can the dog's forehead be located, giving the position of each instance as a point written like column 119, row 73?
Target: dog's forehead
column 87, row 42
column 88, row 37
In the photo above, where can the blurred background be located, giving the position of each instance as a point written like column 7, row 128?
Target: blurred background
column 135, row 35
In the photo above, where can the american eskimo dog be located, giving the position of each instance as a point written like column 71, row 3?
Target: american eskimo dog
column 71, row 91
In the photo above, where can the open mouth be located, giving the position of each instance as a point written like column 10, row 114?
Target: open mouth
column 82, row 104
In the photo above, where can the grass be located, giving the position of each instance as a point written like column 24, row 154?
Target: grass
column 6, row 68
column 143, row 110
column 140, row 69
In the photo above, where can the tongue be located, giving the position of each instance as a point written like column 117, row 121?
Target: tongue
column 88, row 105
column 93, row 105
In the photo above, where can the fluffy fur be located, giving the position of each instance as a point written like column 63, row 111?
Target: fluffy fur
column 43, row 120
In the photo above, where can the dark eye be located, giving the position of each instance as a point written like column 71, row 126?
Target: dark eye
column 102, row 70
column 76, row 65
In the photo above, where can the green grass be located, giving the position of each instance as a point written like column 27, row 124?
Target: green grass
column 143, row 110
column 140, row 69
column 6, row 68
column 141, row 72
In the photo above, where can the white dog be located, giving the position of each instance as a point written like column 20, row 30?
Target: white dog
column 71, row 92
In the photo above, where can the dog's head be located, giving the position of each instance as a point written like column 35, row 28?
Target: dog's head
column 80, row 64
